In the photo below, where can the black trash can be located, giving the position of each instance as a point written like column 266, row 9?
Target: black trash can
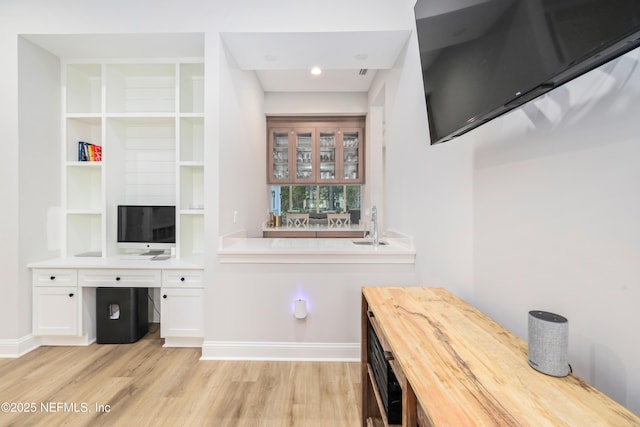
column 122, row 315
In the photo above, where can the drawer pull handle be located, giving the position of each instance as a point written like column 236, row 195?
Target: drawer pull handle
column 117, row 279
column 370, row 313
column 52, row 278
column 182, row 279
column 164, row 296
column 71, row 295
column 388, row 355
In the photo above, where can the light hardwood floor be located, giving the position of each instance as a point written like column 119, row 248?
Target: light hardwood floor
column 145, row 384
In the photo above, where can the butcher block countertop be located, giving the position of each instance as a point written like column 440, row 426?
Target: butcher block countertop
column 458, row 367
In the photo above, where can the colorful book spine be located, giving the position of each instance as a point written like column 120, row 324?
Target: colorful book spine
column 88, row 152
column 97, row 151
column 81, row 157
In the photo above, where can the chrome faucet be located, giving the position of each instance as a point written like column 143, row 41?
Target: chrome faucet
column 374, row 221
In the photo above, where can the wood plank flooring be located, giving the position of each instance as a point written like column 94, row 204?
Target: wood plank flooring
column 144, row 384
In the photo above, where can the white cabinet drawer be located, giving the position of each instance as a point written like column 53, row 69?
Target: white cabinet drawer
column 182, row 278
column 55, row 277
column 119, row 278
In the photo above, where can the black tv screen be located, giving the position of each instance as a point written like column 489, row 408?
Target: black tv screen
column 484, row 59
column 147, row 225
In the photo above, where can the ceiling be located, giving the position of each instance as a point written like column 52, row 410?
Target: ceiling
column 349, row 60
column 86, row 46
column 282, row 60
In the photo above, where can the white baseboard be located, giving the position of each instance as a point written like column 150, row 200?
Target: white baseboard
column 18, row 347
column 182, row 342
column 70, row 340
column 281, row 351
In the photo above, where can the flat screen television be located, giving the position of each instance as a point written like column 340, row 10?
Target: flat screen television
column 151, row 228
column 483, row 58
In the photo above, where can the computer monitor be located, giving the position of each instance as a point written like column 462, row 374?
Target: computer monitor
column 151, row 228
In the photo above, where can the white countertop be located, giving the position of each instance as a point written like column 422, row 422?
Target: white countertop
column 114, row 262
column 237, row 248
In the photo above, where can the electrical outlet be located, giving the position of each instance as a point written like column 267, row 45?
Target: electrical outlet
column 235, row 217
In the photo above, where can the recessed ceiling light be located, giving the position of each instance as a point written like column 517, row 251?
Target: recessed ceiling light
column 316, row 71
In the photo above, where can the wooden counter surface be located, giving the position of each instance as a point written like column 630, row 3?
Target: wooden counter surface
column 467, row 370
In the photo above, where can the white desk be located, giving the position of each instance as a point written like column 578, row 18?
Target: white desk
column 64, row 302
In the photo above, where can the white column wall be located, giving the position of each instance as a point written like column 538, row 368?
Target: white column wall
column 9, row 173
column 40, row 155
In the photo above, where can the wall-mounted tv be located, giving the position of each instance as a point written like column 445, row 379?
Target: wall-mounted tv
column 146, row 227
column 482, row 58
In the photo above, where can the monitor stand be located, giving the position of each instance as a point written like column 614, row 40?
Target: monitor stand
column 153, row 253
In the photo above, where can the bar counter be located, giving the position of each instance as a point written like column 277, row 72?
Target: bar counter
column 238, row 248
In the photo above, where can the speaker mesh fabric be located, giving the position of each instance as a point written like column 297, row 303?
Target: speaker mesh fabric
column 548, row 343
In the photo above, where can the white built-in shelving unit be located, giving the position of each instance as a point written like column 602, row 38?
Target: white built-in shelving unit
column 148, row 116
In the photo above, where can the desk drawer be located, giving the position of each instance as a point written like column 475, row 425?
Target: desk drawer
column 182, row 278
column 120, row 278
column 55, row 277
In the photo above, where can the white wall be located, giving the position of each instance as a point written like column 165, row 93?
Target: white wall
column 427, row 189
column 251, row 309
column 328, row 15
column 556, row 220
column 315, row 103
column 242, row 133
column 9, row 173
column 537, row 209
column 39, row 110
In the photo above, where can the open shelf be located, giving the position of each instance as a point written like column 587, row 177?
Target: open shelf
column 191, row 235
column 148, row 117
column 85, row 129
column 383, row 421
column 137, row 88
column 83, row 88
column 84, row 186
column 192, row 88
column 145, row 149
column 191, row 139
column 84, row 233
column 191, row 187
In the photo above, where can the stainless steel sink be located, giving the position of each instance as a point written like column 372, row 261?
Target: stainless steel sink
column 368, row 242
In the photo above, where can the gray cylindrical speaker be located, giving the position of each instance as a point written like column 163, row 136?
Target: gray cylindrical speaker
column 548, row 343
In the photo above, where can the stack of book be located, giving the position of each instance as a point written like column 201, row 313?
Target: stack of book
column 88, row 152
